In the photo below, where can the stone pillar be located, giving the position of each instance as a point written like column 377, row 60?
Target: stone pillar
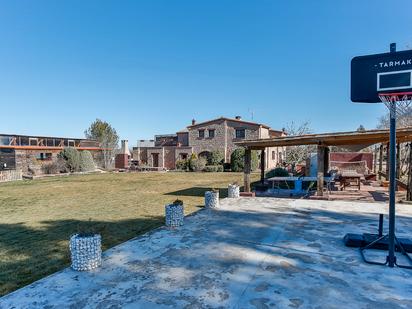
column 247, row 169
column 321, row 169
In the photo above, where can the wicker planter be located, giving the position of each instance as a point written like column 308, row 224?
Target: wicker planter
column 174, row 215
column 233, row 191
column 211, row 199
column 85, row 252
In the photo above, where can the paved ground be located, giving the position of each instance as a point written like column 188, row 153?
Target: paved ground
column 252, row 253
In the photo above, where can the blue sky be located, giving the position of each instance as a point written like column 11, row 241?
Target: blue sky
column 149, row 67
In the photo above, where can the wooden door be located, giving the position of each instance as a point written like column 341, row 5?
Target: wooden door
column 155, row 159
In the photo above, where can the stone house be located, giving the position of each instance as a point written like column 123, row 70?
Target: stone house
column 204, row 137
column 28, row 153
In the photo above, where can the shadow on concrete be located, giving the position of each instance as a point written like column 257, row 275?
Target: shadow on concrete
column 215, row 245
column 379, row 196
column 28, row 254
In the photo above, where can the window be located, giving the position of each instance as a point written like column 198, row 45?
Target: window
column 32, row 141
column 240, row 133
column 44, row 156
column 211, row 133
column 71, row 143
column 273, row 155
column 201, row 133
column 280, row 157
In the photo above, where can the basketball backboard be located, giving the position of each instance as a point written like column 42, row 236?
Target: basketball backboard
column 380, row 73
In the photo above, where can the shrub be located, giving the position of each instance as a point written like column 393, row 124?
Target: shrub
column 213, row 168
column 277, row 172
column 71, row 157
column 237, row 160
column 197, row 165
column 182, row 165
column 216, row 157
column 54, row 167
column 86, row 162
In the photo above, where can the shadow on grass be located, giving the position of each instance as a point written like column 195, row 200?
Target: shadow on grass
column 29, row 254
column 198, row 191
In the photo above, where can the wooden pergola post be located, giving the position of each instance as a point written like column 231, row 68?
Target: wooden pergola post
column 398, row 160
column 398, row 164
column 380, row 161
column 262, row 166
column 387, row 162
column 321, row 169
column 247, row 169
column 409, row 191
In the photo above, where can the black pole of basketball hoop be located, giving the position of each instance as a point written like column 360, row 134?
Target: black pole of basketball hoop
column 391, row 258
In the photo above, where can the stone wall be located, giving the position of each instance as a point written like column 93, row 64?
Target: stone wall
column 10, row 175
column 251, row 132
column 225, row 136
column 179, row 151
column 169, row 158
column 353, row 157
column 218, row 142
column 150, row 156
column 29, row 163
column 183, row 138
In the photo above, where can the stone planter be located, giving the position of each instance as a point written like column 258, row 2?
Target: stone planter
column 233, row 191
column 85, row 252
column 174, row 215
column 211, row 199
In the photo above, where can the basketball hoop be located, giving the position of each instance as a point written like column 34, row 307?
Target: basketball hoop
column 385, row 78
column 398, row 103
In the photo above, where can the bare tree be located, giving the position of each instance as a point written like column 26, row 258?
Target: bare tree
column 404, row 119
column 297, row 154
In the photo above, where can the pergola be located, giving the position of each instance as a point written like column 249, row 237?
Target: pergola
column 323, row 141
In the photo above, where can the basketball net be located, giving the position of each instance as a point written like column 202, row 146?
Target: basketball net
column 397, row 103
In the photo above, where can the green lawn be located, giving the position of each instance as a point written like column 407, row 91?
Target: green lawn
column 37, row 217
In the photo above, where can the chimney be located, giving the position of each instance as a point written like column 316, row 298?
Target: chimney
column 238, row 117
column 125, row 147
column 193, row 122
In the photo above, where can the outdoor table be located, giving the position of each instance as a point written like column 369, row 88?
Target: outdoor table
column 350, row 179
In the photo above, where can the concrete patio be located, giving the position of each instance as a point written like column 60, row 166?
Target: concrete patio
column 252, row 253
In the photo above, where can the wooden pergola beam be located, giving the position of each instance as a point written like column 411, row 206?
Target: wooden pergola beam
column 330, row 139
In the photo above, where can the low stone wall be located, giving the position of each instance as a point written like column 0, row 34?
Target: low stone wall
column 10, row 175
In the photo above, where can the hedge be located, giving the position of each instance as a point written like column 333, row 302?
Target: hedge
column 213, row 168
column 277, row 172
column 237, row 160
